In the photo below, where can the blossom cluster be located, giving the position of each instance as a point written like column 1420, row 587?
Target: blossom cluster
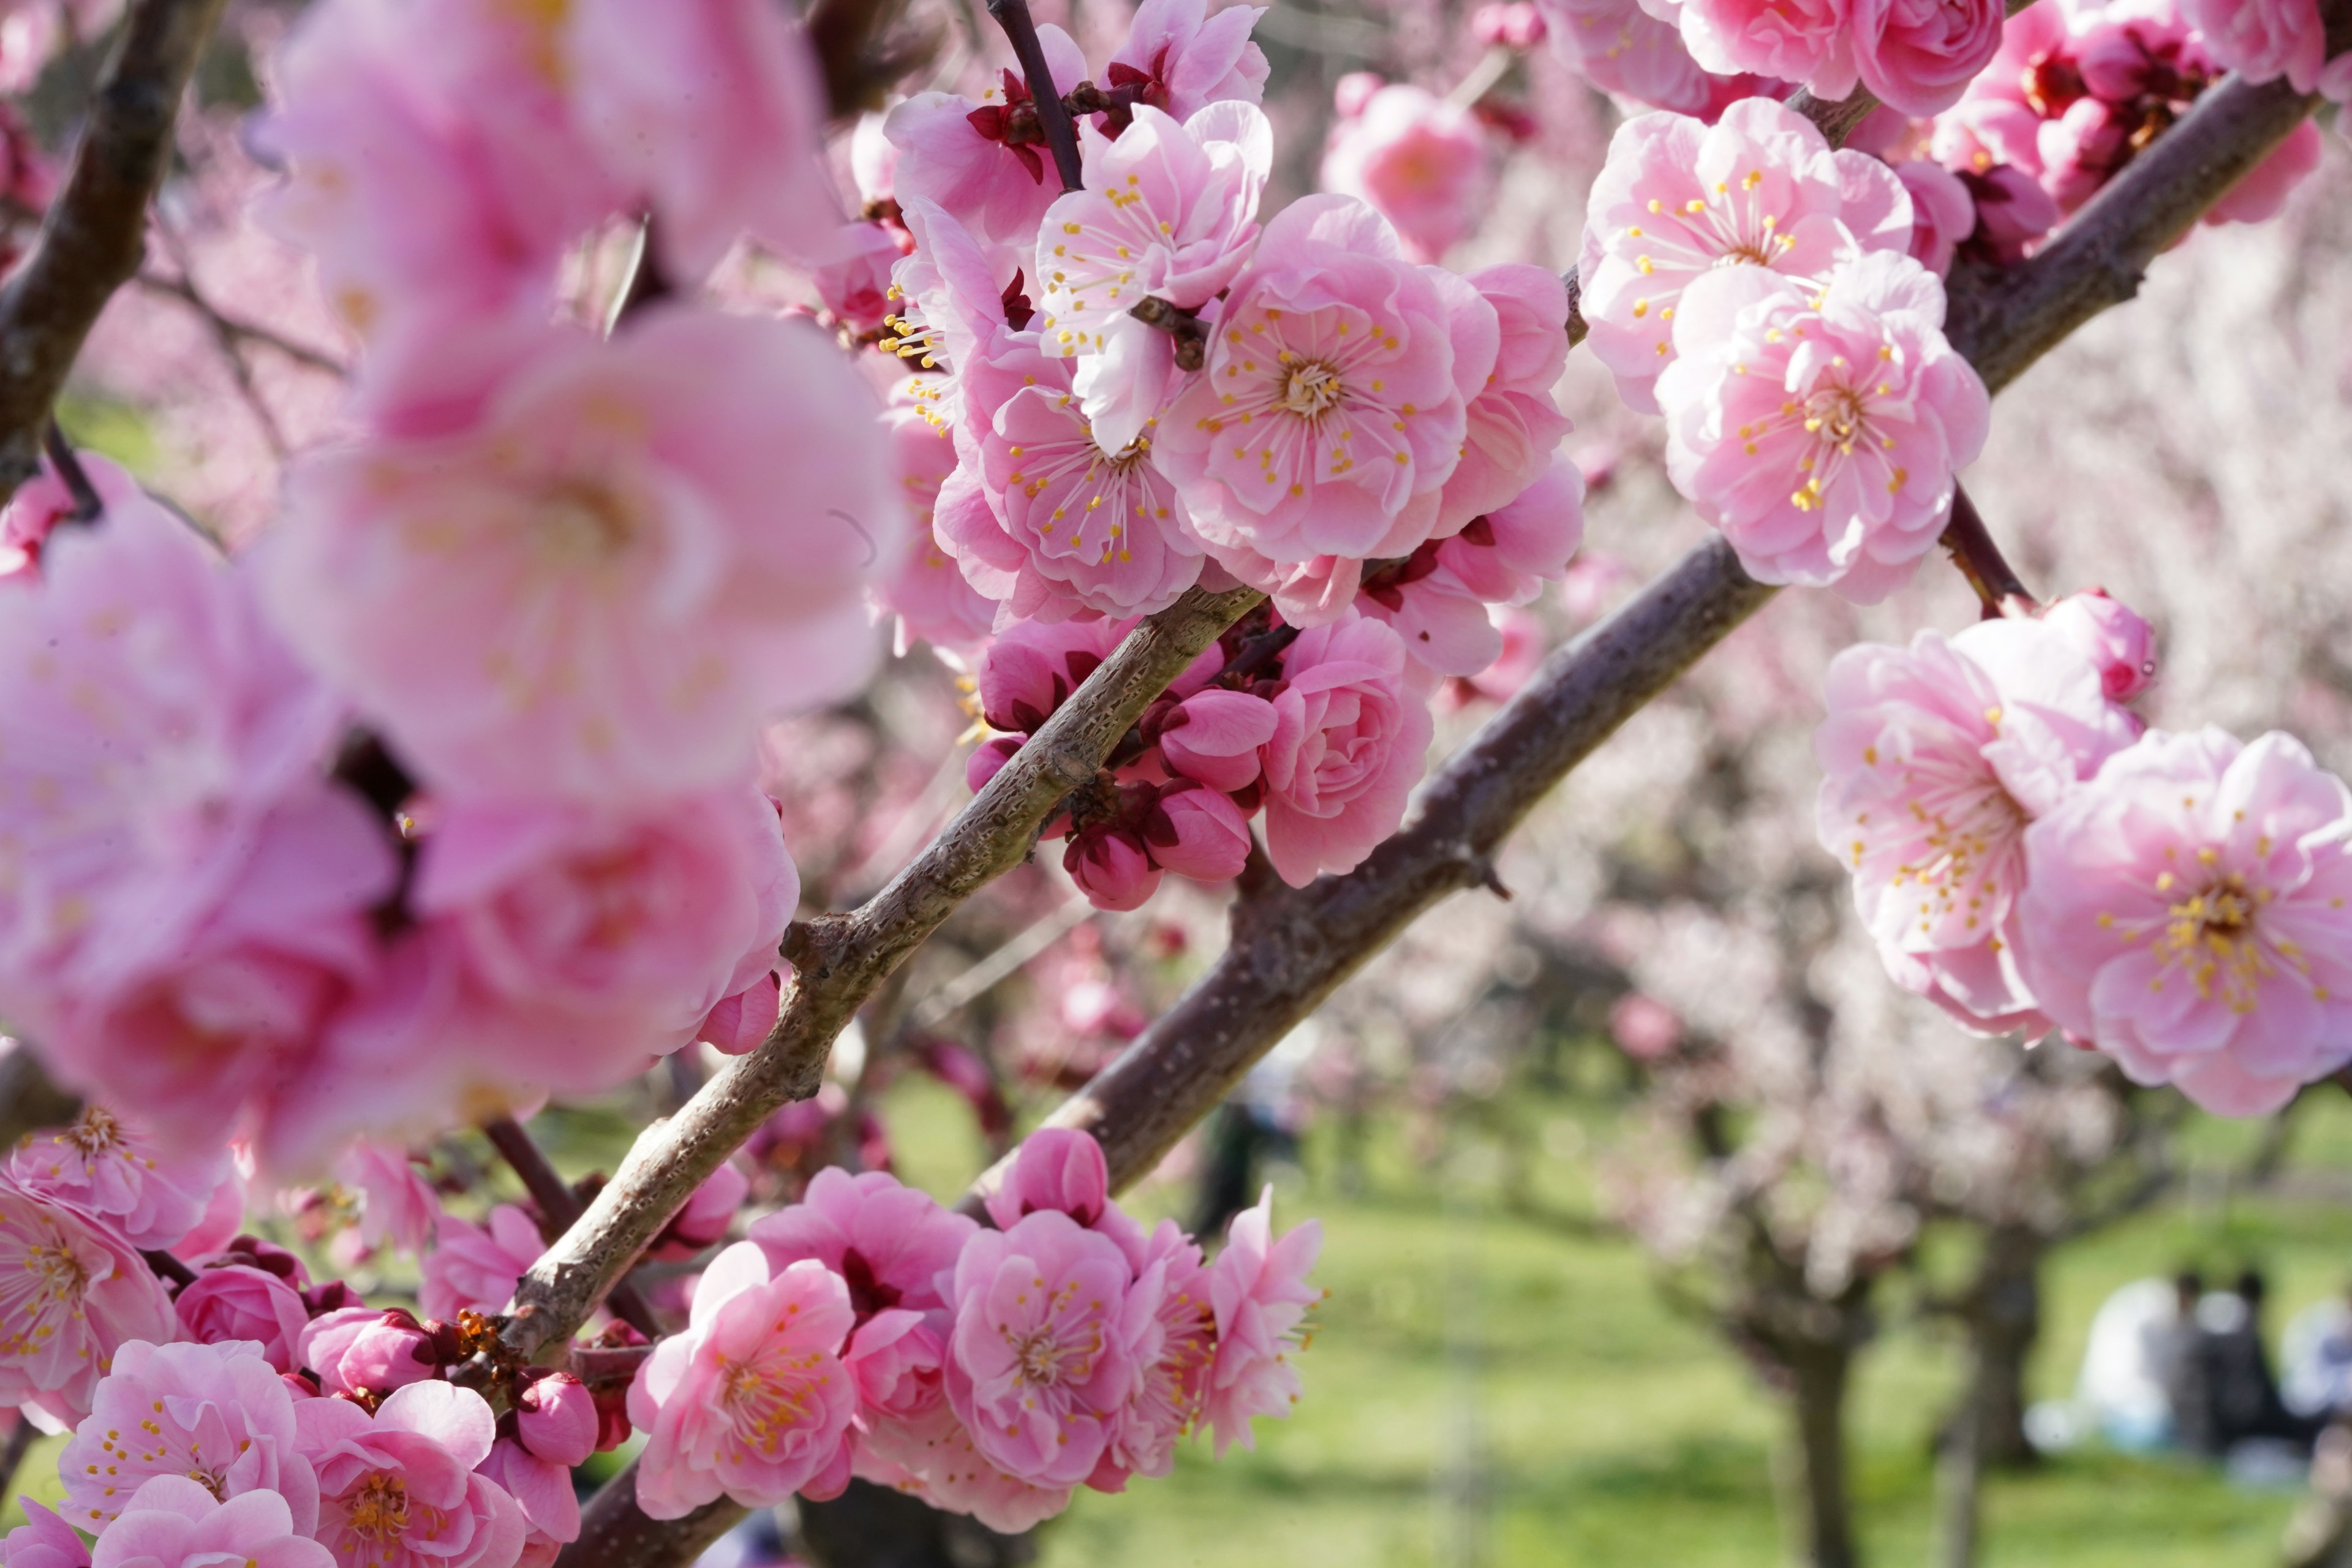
column 2030, row 856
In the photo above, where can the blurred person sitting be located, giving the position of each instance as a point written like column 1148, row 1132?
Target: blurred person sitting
column 2121, row 1392
column 2315, row 1359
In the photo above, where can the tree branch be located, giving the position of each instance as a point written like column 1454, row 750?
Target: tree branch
column 839, row 960
column 94, row 235
column 560, row 1205
column 1052, row 114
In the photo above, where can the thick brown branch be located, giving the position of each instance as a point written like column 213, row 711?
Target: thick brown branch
column 614, row 1532
column 94, row 235
column 560, row 1207
column 839, row 960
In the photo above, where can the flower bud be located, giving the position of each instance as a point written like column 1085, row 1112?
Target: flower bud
column 741, row 1021
column 1198, row 833
column 1112, row 868
column 704, row 1218
column 357, row 1350
column 1214, row 736
column 2113, row 637
column 556, row 1419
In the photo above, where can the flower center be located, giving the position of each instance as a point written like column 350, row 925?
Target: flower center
column 60, row 1274
column 1041, row 1356
column 2213, row 936
column 381, row 1510
column 1836, row 415
column 213, row 1481
column 1312, row 390
column 766, row 1403
column 94, row 1132
column 583, row 525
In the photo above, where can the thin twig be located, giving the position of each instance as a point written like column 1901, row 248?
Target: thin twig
column 990, row 971
column 167, row 1267
column 89, row 505
column 1997, row 584
column 185, row 291
column 231, row 347
column 1052, row 114
column 561, row 1206
column 92, row 238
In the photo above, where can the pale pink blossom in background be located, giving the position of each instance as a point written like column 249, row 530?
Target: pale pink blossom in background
column 2186, row 915
column 1677, row 201
column 752, row 1402
column 1349, row 744
column 398, row 1207
column 173, row 1521
column 237, row 1301
column 368, row 1349
column 72, row 1293
column 112, row 1169
column 1419, row 159
column 1644, row 1029
column 477, row 1266
column 2262, row 194
column 1253, row 442
column 1620, row 48
column 226, row 1419
column 735, row 152
column 420, row 1448
column 1935, row 760
column 1823, row 433
column 1187, row 59
column 43, row 501
column 1258, row 1290
column 650, row 460
column 1919, row 56
column 1943, row 213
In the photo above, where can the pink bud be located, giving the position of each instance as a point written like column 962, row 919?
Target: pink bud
column 363, row 1349
column 704, row 1218
column 987, row 758
column 1353, row 92
column 2113, row 637
column 1111, row 866
column 555, row 1418
column 1058, row 1169
column 233, row 1301
column 741, row 1021
column 1197, row 832
column 1214, row 736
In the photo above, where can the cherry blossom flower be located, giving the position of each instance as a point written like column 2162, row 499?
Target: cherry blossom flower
column 958, row 153
column 2114, row 637
column 752, row 1400
column 1919, row 56
column 216, row 1414
column 1936, row 758
column 43, row 1541
column 2185, row 913
column 1514, row 425
column 929, row 594
column 398, row 1207
column 1349, row 744
column 1173, row 1369
column 1678, row 200
column 1062, row 1169
column 1185, row 60
column 1822, row 434
column 368, row 1349
column 1258, row 1290
column 186, row 896
column 1196, row 832
column 935, row 1458
column 1620, row 48
column 173, row 1522
column 399, row 1488
column 739, row 1023
column 235, row 1301
column 950, row 292
column 1943, row 213
column 1329, row 414
column 1418, row 160
column 892, row 1245
column 1033, row 666
column 1111, row 862
column 111, row 1168
column 854, row 280
column 556, row 1428
column 474, row 1265
column 2263, row 39
column 735, row 154
column 648, row 462
column 1047, row 1329
column 1808, row 41
column 72, row 1293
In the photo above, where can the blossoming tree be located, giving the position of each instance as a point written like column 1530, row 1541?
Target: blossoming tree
column 434, row 789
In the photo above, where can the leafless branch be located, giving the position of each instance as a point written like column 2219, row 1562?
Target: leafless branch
column 560, row 1208
column 94, row 235
column 222, row 322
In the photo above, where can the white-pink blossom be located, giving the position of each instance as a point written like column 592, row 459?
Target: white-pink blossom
column 111, row 1168
column 72, row 1294
column 1350, row 740
column 1185, row 60
column 218, row 1413
column 173, row 1521
column 476, row 1266
column 399, row 1488
column 1258, row 1290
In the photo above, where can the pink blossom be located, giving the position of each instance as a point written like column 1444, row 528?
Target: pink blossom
column 43, row 1541
column 543, row 1491
column 1110, row 864
column 1329, row 414
column 399, row 1488
column 855, row 280
column 651, row 461
column 2263, row 39
column 1822, row 435
column 1047, row 1329
column 741, row 1021
column 1057, row 524
column 1919, row 56
column 43, row 501
column 72, row 1293
column 1514, row 427
column 1518, row 25
column 2185, row 914
column 934, row 1457
column 1943, row 214
column 1620, row 48
column 1808, row 41
column 1353, row 90
column 605, row 937
column 1677, row 201
column 1936, row 758
column 368, row 1349
column 1186, row 59
column 2013, row 216
column 752, row 1400
column 1214, row 736
column 1033, row 666
column 398, row 1207
column 1310, row 593
column 556, row 1428
column 1196, row 832
column 1419, row 159
column 893, row 1244
column 1349, row 746
column 477, row 1266
column 173, row 1521
column 112, row 1169
column 734, row 152
column 953, row 152
column 1436, row 599
column 234, row 1302
column 1063, row 1169
column 2114, row 637
column 928, row 593
column 1258, row 1290
column 1644, row 1029
column 952, row 312
column 215, row 1413
column 1172, row 1367
column 703, row 1219
column 186, row 896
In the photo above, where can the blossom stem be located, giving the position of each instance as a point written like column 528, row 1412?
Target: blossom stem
column 94, row 235
column 12, row 1457
column 1191, row 332
column 1980, row 559
column 560, row 1207
column 1052, row 114
column 89, row 506
column 167, row 1267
